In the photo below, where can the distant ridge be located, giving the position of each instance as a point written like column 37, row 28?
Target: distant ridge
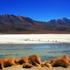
column 11, row 24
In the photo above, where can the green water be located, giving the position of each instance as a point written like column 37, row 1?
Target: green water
column 45, row 51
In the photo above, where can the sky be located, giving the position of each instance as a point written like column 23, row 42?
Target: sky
column 41, row 10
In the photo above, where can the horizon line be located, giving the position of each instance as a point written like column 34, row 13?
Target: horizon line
column 36, row 19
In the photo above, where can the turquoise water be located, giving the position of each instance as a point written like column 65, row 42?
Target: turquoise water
column 45, row 51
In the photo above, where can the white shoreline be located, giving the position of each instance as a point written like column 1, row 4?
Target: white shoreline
column 34, row 38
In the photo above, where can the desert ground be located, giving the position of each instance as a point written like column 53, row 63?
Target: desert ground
column 36, row 68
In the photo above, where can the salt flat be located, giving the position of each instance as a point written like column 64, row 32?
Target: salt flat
column 34, row 38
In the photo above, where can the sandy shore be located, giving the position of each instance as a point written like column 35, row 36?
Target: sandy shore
column 34, row 38
column 36, row 68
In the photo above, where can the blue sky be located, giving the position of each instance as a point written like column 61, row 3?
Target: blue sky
column 42, row 10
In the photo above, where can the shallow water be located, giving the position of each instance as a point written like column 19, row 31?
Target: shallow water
column 43, row 50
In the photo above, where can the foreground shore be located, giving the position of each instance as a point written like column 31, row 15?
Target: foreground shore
column 34, row 62
column 36, row 68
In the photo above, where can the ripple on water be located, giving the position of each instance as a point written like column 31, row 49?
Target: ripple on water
column 44, row 50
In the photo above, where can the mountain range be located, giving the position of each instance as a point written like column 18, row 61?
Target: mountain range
column 11, row 24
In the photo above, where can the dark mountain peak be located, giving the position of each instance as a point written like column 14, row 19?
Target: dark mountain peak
column 27, row 19
column 64, row 18
column 13, row 23
column 60, row 21
column 52, row 21
column 18, row 18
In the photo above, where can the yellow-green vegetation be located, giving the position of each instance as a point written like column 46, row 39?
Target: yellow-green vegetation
column 35, row 61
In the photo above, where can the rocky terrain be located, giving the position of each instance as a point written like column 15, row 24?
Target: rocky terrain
column 34, row 62
column 10, row 24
